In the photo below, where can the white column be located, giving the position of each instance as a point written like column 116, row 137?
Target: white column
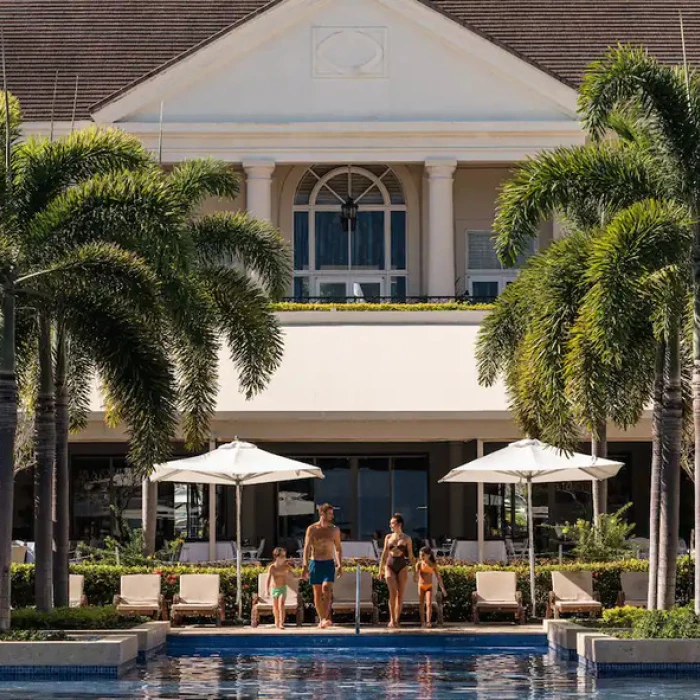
column 441, row 230
column 259, row 188
column 480, row 507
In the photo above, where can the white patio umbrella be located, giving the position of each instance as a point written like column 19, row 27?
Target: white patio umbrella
column 236, row 464
column 532, row 462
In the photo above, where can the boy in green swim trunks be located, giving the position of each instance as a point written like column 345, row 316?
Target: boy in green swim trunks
column 277, row 581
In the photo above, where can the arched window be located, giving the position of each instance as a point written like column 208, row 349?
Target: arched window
column 335, row 259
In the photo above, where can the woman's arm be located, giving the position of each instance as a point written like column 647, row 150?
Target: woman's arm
column 385, row 554
column 411, row 556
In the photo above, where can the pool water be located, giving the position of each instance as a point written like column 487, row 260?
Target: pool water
column 345, row 676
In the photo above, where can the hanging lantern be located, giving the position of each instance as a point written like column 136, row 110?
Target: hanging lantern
column 348, row 214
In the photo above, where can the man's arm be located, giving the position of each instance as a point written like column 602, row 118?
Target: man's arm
column 338, row 549
column 307, row 550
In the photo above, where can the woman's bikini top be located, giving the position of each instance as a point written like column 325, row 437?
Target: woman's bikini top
column 397, row 562
column 426, row 568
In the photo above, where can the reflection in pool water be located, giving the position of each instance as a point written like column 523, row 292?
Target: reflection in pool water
column 341, row 677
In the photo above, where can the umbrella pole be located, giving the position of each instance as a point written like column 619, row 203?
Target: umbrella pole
column 212, row 522
column 239, row 592
column 531, row 548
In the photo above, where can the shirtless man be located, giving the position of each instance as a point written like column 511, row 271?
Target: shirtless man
column 322, row 553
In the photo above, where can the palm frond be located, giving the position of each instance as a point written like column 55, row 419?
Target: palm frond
column 46, row 168
column 585, row 183
column 196, row 180
column 241, row 240
column 249, row 325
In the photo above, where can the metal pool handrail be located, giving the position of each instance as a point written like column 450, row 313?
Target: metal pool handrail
column 357, row 599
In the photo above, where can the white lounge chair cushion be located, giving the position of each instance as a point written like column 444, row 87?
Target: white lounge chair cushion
column 573, row 586
column 344, row 589
column 76, row 584
column 635, row 586
column 19, row 553
column 264, row 602
column 199, row 589
column 496, row 588
column 195, row 606
column 140, row 590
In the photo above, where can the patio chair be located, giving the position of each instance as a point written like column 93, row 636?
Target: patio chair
column 634, row 587
column 411, row 600
column 497, row 591
column 19, row 553
column 639, row 546
column 140, row 594
column 495, row 551
column 359, row 550
column 199, row 596
column 198, row 552
column 250, row 557
column 262, row 604
column 76, row 591
column 465, row 551
column 344, row 595
column 516, row 551
column 572, row 592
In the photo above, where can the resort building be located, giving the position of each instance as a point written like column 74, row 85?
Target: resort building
column 375, row 134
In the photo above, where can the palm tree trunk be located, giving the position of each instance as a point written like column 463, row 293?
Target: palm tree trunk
column 670, row 473
column 149, row 515
column 45, row 448
column 599, row 448
column 696, row 406
column 656, row 457
column 8, row 425
column 61, row 534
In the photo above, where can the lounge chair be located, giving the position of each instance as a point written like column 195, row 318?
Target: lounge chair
column 495, row 551
column 199, row 597
column 344, row 595
column 140, row 595
column 465, row 551
column 411, row 600
column 572, row 592
column 76, row 591
column 262, row 605
column 19, row 553
column 497, row 591
column 634, row 589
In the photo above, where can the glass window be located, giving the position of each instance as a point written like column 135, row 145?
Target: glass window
column 398, row 240
column 367, row 291
column 374, row 497
column 368, row 241
column 398, row 288
column 333, row 291
column 410, row 495
column 337, row 490
column 301, row 288
column 301, row 240
column 331, row 242
column 485, row 290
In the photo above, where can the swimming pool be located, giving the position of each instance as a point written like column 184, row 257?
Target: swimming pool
column 359, row 676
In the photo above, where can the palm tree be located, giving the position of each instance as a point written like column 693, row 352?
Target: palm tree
column 217, row 274
column 106, row 298
column 588, row 185
column 667, row 98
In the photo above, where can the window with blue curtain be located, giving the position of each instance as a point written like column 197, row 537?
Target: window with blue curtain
column 398, row 240
column 331, row 242
column 301, row 240
column 368, row 241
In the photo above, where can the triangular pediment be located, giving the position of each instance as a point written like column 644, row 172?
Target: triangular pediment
column 346, row 60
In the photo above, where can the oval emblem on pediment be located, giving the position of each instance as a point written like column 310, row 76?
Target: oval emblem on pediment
column 351, row 52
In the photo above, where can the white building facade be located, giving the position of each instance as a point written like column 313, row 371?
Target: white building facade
column 419, row 117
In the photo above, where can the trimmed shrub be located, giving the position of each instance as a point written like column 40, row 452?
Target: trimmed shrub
column 93, row 618
column 680, row 623
column 32, row 636
column 102, row 583
column 627, row 616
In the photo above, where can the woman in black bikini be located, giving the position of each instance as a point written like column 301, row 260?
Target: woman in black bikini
column 396, row 563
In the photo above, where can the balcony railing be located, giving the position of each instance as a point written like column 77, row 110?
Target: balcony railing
column 408, row 301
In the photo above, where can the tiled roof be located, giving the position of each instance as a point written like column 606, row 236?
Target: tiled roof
column 110, row 44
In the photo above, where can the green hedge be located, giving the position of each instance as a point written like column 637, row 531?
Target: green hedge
column 102, row 583
column 90, row 618
column 363, row 306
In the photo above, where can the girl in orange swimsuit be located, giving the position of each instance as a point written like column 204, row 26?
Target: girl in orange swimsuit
column 427, row 569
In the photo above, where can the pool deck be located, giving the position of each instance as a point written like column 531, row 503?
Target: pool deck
column 292, row 630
